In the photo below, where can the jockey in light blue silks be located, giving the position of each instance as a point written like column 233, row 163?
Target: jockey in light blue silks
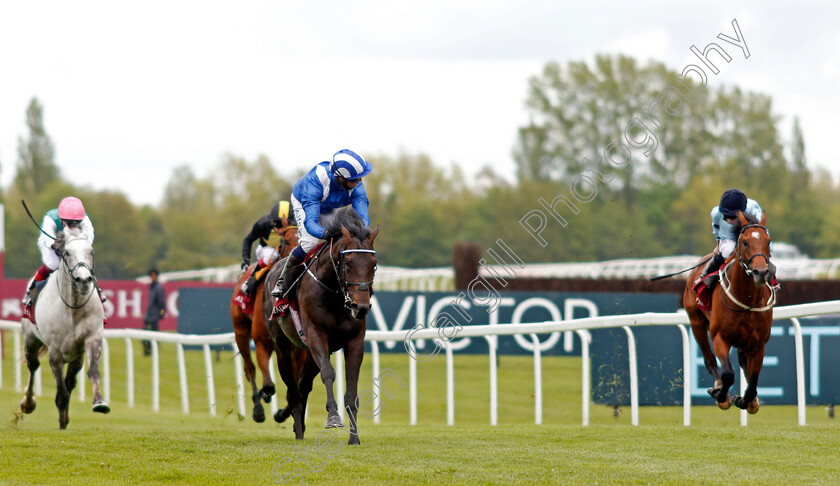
column 316, row 197
column 724, row 216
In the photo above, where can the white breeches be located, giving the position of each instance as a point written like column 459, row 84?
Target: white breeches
column 726, row 247
column 50, row 258
column 307, row 241
column 266, row 254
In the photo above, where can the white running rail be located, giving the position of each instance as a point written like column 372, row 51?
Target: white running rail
column 580, row 326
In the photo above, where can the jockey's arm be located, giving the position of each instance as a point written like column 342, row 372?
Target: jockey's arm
column 310, row 200
column 360, row 202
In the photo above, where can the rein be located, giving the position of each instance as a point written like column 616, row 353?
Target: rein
column 725, row 284
column 69, row 271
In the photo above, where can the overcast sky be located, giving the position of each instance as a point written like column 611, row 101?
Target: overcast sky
column 133, row 89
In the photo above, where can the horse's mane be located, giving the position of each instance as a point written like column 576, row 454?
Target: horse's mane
column 736, row 227
column 62, row 236
column 351, row 220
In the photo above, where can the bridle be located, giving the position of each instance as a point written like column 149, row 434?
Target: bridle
column 341, row 275
column 746, row 264
column 70, row 273
column 724, row 280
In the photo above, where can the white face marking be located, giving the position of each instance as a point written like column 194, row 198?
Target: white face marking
column 755, row 235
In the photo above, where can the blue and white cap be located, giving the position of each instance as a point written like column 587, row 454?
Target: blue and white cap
column 349, row 165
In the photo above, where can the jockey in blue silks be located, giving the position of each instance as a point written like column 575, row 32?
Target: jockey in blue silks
column 316, row 197
column 724, row 217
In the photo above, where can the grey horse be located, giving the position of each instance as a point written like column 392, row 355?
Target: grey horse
column 69, row 323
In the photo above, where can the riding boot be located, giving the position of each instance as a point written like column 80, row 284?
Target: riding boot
column 290, row 274
column 27, row 297
column 250, row 285
column 714, row 264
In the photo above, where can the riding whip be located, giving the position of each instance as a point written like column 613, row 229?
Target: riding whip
column 653, row 279
column 33, row 220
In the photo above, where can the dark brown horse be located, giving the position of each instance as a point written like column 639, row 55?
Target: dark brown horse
column 741, row 315
column 252, row 326
column 333, row 297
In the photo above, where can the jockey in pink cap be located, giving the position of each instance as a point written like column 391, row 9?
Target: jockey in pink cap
column 70, row 213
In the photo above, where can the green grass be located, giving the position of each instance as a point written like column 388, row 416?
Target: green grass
column 136, row 445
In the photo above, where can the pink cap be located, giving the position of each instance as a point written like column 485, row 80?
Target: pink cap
column 71, row 208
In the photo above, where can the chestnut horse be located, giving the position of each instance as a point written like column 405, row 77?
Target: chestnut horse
column 741, row 315
column 333, row 297
column 252, row 326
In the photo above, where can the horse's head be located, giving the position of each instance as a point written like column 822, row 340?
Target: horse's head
column 288, row 237
column 77, row 256
column 753, row 248
column 357, row 265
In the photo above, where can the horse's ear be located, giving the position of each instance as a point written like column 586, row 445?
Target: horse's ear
column 763, row 221
column 373, row 234
column 348, row 237
column 742, row 219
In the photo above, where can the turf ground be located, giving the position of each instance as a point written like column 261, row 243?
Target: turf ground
column 136, row 445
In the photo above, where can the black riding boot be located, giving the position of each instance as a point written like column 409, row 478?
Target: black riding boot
column 249, row 286
column 291, row 272
column 27, row 298
column 714, row 264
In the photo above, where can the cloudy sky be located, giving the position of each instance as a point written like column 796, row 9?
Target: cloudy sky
column 133, row 89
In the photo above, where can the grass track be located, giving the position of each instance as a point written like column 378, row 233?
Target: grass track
column 139, row 446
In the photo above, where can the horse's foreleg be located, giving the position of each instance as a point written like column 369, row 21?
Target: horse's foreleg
column 752, row 367
column 93, row 347
column 72, row 371
column 319, row 347
column 354, row 353
column 62, row 396
column 308, row 371
column 242, row 331
column 727, row 375
column 264, row 350
column 31, row 349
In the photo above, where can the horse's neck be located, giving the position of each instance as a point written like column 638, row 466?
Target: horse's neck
column 68, row 292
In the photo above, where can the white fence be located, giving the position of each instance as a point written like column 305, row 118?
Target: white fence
column 580, row 327
column 442, row 279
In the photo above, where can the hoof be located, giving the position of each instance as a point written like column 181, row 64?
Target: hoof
column 267, row 392
column 258, row 415
column 354, row 440
column 725, row 405
column 281, row 415
column 101, row 407
column 27, row 407
column 333, row 421
column 752, row 408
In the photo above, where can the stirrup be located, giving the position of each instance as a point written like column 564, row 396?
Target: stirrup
column 27, row 299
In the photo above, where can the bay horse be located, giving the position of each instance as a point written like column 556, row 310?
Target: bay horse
column 68, row 321
column 333, row 298
column 248, row 326
column 741, row 313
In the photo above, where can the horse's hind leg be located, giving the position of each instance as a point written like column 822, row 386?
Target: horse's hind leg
column 752, row 368
column 699, row 327
column 62, row 396
column 31, row 348
column 94, row 351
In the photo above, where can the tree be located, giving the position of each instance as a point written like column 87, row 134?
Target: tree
column 36, row 167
